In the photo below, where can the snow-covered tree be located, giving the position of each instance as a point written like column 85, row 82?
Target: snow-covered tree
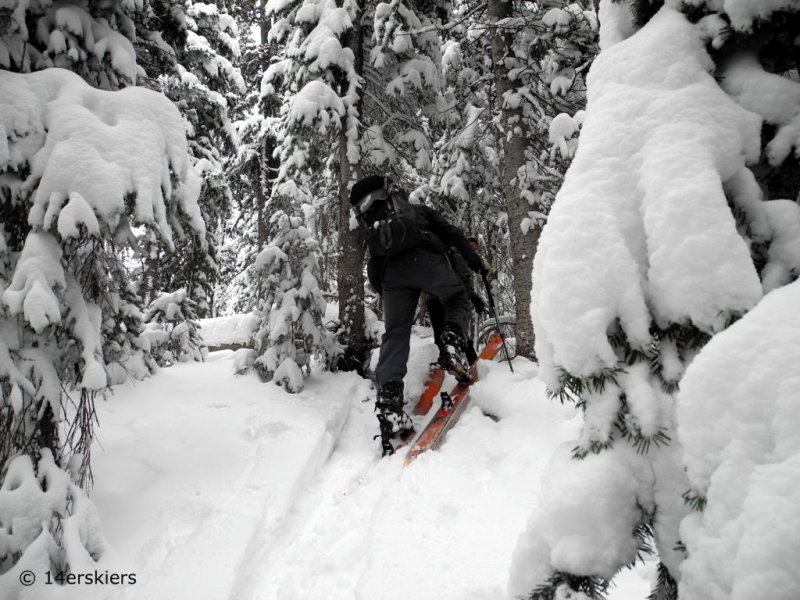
column 240, row 284
column 360, row 86
column 252, row 171
column 466, row 182
column 741, row 451
column 202, row 79
column 467, row 173
column 126, row 354
column 540, row 52
column 659, row 239
column 95, row 41
column 206, row 85
column 78, row 168
column 402, row 86
column 173, row 330
column 45, row 490
column 291, row 329
column 318, row 74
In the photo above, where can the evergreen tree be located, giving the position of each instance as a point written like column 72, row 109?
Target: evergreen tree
column 241, row 287
column 538, row 69
column 659, row 239
column 251, row 172
column 402, row 88
column 291, row 330
column 103, row 276
column 70, row 320
column 551, row 46
column 173, row 329
column 206, row 85
column 466, row 183
column 95, row 41
column 318, row 75
column 365, row 82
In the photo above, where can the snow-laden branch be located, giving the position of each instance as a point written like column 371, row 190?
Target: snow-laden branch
column 80, row 142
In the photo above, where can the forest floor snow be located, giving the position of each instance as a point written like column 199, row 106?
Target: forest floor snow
column 216, row 486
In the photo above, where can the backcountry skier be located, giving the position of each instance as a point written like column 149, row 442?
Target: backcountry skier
column 408, row 245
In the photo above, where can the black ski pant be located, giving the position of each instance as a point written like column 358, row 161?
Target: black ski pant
column 404, row 277
column 436, row 315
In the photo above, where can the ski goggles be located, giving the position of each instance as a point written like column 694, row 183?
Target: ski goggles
column 365, row 204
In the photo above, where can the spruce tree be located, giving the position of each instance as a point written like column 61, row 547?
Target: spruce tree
column 625, row 297
column 540, row 53
column 466, row 181
column 173, row 330
column 371, row 95
column 80, row 169
column 252, row 171
column 318, row 75
column 206, row 85
column 291, row 330
column 94, row 41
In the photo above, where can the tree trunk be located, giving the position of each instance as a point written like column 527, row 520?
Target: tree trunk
column 523, row 246
column 351, row 242
column 351, row 263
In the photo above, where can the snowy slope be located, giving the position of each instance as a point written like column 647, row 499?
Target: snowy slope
column 215, row 486
column 194, row 460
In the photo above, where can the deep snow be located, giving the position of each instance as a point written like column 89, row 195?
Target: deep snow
column 211, row 485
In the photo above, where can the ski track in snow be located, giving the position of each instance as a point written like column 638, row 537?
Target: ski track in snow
column 443, row 528
column 318, row 550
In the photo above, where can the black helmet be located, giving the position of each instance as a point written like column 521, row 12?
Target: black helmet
column 366, row 192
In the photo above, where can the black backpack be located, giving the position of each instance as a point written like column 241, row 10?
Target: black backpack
column 397, row 228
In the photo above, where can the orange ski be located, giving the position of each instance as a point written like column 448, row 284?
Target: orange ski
column 452, row 408
column 432, row 387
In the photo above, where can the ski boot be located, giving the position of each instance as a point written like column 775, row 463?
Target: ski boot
column 456, row 362
column 441, row 362
column 392, row 419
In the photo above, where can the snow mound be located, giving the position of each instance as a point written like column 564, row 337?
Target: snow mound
column 28, row 500
column 229, row 330
column 747, row 465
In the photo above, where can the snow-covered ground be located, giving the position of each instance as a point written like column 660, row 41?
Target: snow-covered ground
column 216, row 486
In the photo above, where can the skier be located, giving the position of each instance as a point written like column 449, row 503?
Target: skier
column 407, row 245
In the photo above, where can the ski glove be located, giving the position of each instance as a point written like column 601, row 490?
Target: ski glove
column 473, row 260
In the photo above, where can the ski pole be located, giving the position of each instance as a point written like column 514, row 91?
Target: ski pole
column 493, row 314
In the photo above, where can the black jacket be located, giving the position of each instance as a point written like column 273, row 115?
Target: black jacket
column 445, row 235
